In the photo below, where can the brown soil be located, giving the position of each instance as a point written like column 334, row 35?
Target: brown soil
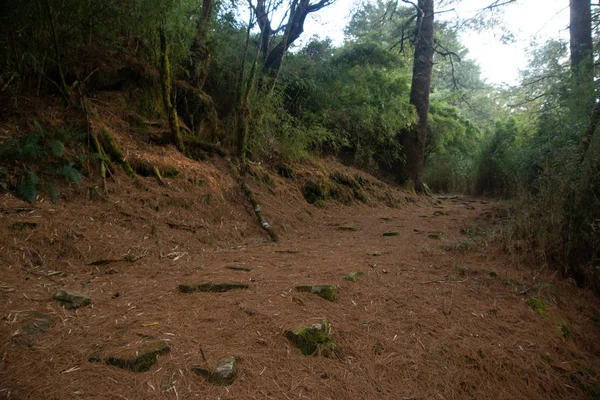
column 441, row 313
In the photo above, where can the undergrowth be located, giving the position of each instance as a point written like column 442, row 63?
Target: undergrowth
column 39, row 161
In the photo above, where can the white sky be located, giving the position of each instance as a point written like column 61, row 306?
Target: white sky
column 528, row 20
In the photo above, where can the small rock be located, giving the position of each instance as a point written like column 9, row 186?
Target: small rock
column 375, row 254
column 239, row 268
column 352, row 276
column 387, row 234
column 211, row 287
column 137, row 358
column 72, row 300
column 313, row 339
column 224, row 374
column 348, row 228
column 34, row 324
column 328, row 292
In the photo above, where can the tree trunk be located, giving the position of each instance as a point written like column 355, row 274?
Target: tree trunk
column 165, row 81
column 580, row 30
column 414, row 140
column 582, row 67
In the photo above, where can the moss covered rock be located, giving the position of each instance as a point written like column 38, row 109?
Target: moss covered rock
column 211, row 287
column 224, row 373
column 313, row 339
column 72, row 300
column 136, row 357
column 328, row 292
column 352, row 276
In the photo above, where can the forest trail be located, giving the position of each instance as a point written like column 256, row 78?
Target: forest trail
column 438, row 312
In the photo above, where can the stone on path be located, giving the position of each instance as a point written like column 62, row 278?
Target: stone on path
column 72, row 300
column 239, row 268
column 352, row 276
column 328, row 292
column 211, row 287
column 34, row 324
column 313, row 339
column 224, row 374
column 136, row 357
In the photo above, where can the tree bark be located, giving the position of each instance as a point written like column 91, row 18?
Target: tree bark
column 414, row 140
column 165, row 81
column 580, row 30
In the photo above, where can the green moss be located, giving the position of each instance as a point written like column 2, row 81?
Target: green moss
column 113, row 149
column 435, row 236
column 348, row 228
column 352, row 276
column 389, row 234
column 211, row 287
column 170, row 172
column 328, row 292
column 313, row 340
column 538, row 306
column 565, row 330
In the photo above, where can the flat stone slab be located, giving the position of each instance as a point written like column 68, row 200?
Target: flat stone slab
column 33, row 325
column 352, row 276
column 239, row 268
column 72, row 300
column 139, row 356
column 224, row 373
column 313, row 339
column 211, row 287
column 389, row 234
column 328, row 292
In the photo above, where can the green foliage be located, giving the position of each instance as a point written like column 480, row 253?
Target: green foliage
column 70, row 173
column 44, row 156
column 28, row 186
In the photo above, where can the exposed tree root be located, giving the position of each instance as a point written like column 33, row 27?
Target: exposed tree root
column 250, row 196
column 194, row 141
column 110, row 146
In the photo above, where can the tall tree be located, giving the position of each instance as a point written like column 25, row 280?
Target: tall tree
column 296, row 13
column 582, row 66
column 414, row 140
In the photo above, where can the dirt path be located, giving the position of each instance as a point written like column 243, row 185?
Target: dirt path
column 437, row 314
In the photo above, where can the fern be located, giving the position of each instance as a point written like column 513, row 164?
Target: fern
column 53, row 190
column 27, row 187
column 3, row 179
column 57, row 148
column 70, row 173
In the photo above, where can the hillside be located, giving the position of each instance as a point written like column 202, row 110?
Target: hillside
column 438, row 309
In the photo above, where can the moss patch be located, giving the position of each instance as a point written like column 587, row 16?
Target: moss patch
column 390, row 234
column 538, row 306
column 348, row 228
column 328, row 292
column 211, row 287
column 352, row 276
column 139, row 359
column 313, row 340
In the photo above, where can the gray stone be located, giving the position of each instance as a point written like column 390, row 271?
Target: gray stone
column 72, row 300
column 136, row 357
column 328, row 292
column 224, row 373
column 211, row 287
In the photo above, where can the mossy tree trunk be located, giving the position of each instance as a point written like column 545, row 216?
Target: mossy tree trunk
column 165, row 82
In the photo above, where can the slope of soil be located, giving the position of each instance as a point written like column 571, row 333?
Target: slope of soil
column 438, row 312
